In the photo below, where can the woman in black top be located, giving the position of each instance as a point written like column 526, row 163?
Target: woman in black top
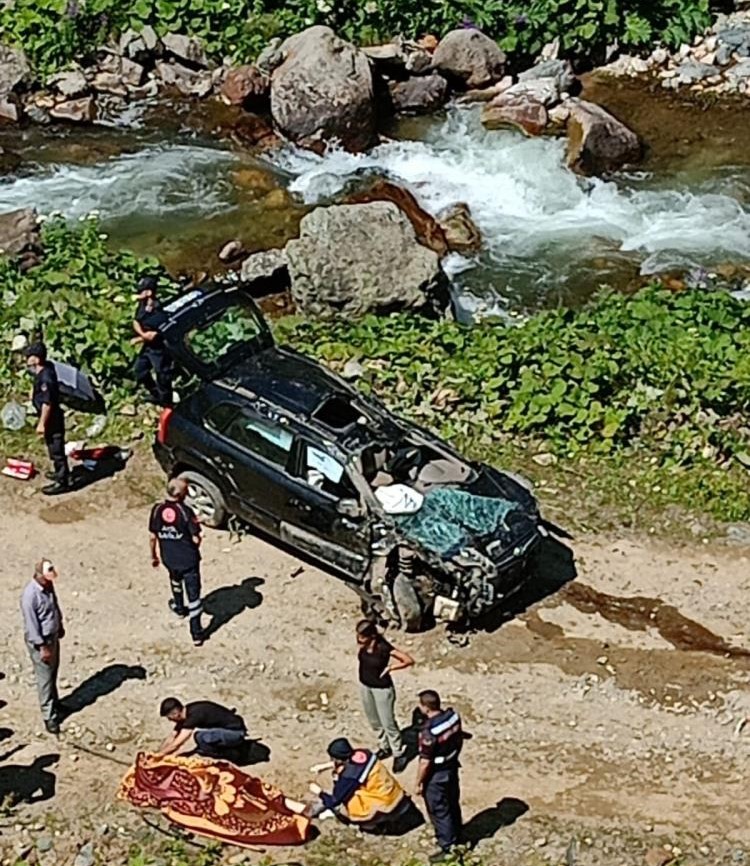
column 378, row 659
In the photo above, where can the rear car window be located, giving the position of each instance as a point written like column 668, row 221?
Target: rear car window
column 262, row 437
column 220, row 415
column 212, row 341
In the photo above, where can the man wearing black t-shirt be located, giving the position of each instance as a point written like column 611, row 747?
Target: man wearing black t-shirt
column 215, row 730
column 153, row 358
column 174, row 527
column 46, row 399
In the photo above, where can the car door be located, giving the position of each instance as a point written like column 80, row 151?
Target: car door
column 312, row 518
column 255, row 452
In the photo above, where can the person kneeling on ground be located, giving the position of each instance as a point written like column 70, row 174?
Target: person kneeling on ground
column 364, row 792
column 216, row 731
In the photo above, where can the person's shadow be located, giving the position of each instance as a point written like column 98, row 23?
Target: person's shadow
column 485, row 824
column 32, row 784
column 112, row 461
column 224, row 604
column 102, row 683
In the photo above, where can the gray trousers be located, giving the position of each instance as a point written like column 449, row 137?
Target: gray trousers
column 46, row 679
column 379, row 706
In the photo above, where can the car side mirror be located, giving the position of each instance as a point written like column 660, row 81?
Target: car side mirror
column 348, row 508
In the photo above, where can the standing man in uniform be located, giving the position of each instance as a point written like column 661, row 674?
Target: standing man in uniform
column 153, row 358
column 51, row 425
column 175, row 528
column 43, row 630
column 440, row 743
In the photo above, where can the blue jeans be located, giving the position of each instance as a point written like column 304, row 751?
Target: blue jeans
column 213, row 742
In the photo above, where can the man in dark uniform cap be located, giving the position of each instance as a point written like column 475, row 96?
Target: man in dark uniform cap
column 51, row 425
column 153, row 358
column 440, row 742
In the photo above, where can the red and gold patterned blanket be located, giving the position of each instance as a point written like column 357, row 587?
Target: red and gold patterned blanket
column 215, row 799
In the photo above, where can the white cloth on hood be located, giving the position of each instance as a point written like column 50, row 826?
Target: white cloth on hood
column 399, row 499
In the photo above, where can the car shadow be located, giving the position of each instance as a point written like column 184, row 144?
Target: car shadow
column 28, row 784
column 224, row 604
column 485, row 824
column 99, row 685
column 549, row 569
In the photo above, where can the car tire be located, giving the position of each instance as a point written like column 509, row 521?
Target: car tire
column 205, row 498
column 407, row 603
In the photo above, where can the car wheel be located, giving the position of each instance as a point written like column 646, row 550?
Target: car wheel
column 205, row 498
column 407, row 602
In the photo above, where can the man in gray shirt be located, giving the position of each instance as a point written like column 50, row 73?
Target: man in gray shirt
column 43, row 629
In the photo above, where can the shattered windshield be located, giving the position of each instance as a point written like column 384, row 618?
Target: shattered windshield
column 449, row 520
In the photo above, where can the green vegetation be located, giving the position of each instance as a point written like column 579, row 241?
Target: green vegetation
column 55, row 32
column 635, row 403
column 660, row 379
column 80, row 300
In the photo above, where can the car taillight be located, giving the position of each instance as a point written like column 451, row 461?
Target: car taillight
column 161, row 432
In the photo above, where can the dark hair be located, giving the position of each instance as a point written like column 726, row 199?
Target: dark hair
column 148, row 284
column 38, row 350
column 430, row 699
column 367, row 628
column 169, row 705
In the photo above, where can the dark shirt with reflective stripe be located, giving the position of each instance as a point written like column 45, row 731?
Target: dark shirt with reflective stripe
column 441, row 739
column 175, row 525
column 352, row 777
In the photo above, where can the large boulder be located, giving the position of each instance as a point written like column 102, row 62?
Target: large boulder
column 14, row 69
column 18, row 228
column 323, row 91
column 354, row 259
column 419, row 95
column 469, row 58
column 597, row 141
column 428, row 231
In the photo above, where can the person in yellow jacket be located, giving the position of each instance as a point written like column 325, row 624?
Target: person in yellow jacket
column 364, row 792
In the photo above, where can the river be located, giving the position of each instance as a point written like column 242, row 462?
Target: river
column 550, row 237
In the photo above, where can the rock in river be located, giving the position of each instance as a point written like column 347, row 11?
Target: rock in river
column 461, row 232
column 470, row 58
column 353, row 259
column 421, row 94
column 75, row 110
column 429, row 233
column 507, row 109
column 597, row 141
column 246, row 86
column 323, row 90
column 17, row 229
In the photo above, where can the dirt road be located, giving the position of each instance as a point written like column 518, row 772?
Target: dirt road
column 610, row 708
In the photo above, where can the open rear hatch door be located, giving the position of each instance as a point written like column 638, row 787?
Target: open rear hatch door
column 213, row 328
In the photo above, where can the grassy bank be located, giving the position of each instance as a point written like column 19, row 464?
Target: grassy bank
column 628, row 411
column 56, row 32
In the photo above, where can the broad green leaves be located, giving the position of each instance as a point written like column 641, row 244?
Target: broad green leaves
column 671, row 371
column 55, row 32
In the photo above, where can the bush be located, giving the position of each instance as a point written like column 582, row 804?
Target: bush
column 79, row 300
column 669, row 370
column 54, row 32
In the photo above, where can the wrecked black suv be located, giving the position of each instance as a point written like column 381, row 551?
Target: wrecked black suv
column 274, row 438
